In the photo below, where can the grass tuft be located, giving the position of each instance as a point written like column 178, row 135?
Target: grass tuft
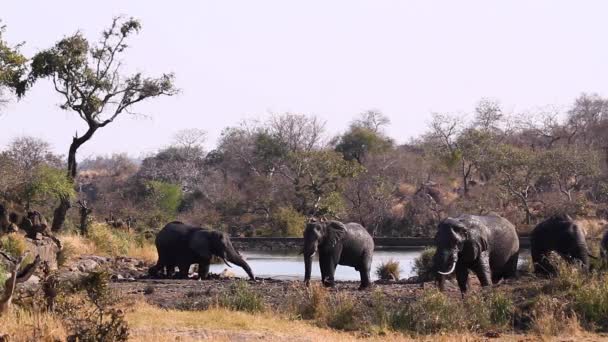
column 388, row 270
column 241, row 297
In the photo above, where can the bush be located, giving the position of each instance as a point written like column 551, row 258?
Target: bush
column 489, row 310
column 3, row 275
column 313, row 303
column 550, row 316
column 388, row 270
column 289, row 222
column 342, row 314
column 241, row 297
column 434, row 312
column 14, row 244
column 380, row 311
column 111, row 242
column 424, row 265
column 93, row 318
column 591, row 303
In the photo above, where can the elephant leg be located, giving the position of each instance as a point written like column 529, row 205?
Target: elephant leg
column 327, row 271
column 510, row 268
column 364, row 270
column 170, row 270
column 482, row 270
column 462, row 277
column 184, row 268
column 203, row 268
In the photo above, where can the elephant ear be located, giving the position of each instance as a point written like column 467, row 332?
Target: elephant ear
column 335, row 232
column 458, row 228
column 199, row 244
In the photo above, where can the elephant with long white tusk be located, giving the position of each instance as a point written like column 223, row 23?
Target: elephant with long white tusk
column 487, row 245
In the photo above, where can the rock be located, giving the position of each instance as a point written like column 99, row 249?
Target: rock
column 86, row 265
column 226, row 273
column 33, row 280
column 46, row 247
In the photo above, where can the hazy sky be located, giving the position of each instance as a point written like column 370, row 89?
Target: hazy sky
column 334, row 59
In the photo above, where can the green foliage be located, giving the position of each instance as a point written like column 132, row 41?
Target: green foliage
column 342, row 313
column 388, row 270
column 318, row 174
column 381, row 315
column 13, row 244
column 166, row 197
column 3, row 274
column 424, row 264
column 432, row 313
column 241, row 297
column 48, row 182
column 360, row 141
column 591, row 303
column 95, row 318
column 110, row 241
column 289, row 222
column 12, row 66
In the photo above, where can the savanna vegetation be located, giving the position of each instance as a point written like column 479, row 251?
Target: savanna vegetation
column 265, row 178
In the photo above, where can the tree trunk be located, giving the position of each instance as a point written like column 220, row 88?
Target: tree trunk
column 84, row 218
column 61, row 211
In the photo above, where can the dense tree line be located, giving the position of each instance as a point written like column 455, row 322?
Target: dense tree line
column 266, row 178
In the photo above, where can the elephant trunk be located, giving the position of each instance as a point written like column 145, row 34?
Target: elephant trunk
column 447, row 265
column 307, row 268
column 310, row 248
column 235, row 258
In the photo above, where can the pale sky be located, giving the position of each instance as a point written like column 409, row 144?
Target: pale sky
column 334, row 59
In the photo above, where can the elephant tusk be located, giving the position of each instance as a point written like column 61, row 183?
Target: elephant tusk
column 450, row 271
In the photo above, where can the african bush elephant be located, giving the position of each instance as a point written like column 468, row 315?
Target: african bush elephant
column 559, row 234
column 604, row 246
column 338, row 244
column 487, row 245
column 182, row 245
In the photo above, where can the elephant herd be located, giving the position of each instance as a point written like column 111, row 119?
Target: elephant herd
column 486, row 245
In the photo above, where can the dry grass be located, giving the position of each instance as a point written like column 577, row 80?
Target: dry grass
column 150, row 323
column 106, row 241
column 593, row 227
column 22, row 325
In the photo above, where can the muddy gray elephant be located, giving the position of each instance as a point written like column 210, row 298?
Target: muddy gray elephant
column 559, row 234
column 604, row 246
column 182, row 245
column 338, row 244
column 487, row 245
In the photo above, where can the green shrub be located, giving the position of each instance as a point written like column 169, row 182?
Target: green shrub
column 380, row 311
column 434, row 312
column 591, row 303
column 14, row 244
column 342, row 313
column 501, row 309
column 424, row 264
column 489, row 310
column 289, row 222
column 167, row 197
column 107, row 240
column 3, row 275
column 388, row 270
column 241, row 297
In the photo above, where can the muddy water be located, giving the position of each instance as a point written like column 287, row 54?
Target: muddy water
column 291, row 265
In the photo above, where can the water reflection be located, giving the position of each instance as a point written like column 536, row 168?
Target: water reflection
column 291, row 265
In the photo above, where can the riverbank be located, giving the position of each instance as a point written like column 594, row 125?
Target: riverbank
column 291, row 244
